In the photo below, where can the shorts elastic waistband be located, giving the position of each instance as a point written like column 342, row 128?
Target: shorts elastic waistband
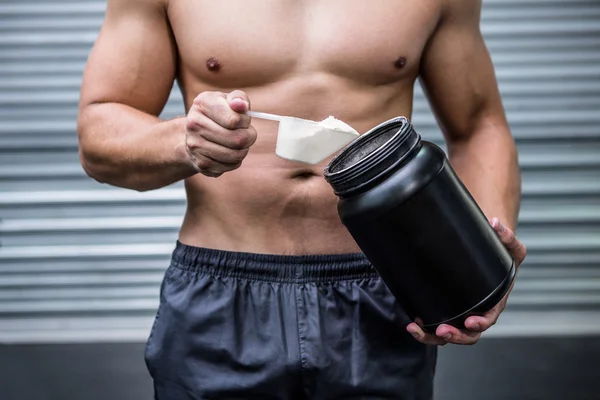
column 273, row 267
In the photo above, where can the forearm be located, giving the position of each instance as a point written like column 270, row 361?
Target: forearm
column 487, row 163
column 124, row 147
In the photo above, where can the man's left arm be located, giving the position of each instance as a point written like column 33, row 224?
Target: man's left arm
column 458, row 78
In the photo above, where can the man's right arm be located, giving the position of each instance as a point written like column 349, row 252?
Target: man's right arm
column 126, row 83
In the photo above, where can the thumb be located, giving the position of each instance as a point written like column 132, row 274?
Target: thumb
column 238, row 101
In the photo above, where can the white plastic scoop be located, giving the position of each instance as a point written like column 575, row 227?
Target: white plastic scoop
column 309, row 141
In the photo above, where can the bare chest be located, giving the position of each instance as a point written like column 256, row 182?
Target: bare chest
column 239, row 43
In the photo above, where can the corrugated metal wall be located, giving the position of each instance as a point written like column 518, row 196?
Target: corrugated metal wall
column 83, row 261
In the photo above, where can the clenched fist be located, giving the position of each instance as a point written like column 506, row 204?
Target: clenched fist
column 218, row 132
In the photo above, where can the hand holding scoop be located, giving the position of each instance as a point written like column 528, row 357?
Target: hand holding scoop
column 309, row 141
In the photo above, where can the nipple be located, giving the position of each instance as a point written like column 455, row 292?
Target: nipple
column 400, row 62
column 213, row 64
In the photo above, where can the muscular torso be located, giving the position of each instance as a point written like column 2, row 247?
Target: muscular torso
column 354, row 60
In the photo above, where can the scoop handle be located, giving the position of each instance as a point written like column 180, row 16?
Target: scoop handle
column 262, row 115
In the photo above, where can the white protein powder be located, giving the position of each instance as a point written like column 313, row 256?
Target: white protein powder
column 312, row 141
column 334, row 123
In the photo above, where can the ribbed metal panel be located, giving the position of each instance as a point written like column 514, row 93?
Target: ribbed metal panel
column 80, row 261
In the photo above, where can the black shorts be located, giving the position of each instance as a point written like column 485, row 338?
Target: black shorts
column 253, row 326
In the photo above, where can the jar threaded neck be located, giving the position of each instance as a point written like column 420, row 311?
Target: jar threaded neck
column 371, row 156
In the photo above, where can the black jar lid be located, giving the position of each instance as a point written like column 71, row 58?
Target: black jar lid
column 371, row 156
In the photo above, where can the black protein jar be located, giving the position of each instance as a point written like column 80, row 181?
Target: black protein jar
column 418, row 225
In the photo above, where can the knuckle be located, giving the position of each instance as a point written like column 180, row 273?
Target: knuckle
column 238, row 156
column 195, row 142
column 203, row 97
column 465, row 340
column 243, row 140
column 207, row 103
column 424, row 340
column 243, row 153
column 252, row 135
column 240, row 142
column 199, row 100
column 233, row 120
column 193, row 124
column 521, row 252
column 204, row 163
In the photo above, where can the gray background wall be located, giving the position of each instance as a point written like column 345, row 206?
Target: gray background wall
column 82, row 262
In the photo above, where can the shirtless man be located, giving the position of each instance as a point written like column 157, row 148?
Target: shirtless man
column 267, row 295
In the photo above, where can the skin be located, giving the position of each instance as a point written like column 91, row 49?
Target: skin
column 290, row 58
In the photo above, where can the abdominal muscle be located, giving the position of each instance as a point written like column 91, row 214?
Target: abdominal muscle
column 275, row 206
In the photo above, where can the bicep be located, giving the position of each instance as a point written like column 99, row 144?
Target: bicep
column 133, row 60
column 457, row 73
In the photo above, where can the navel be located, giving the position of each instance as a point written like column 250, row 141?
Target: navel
column 303, row 175
column 400, row 62
column 213, row 64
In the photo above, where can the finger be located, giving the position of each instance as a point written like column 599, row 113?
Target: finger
column 509, row 239
column 238, row 101
column 216, row 152
column 211, row 174
column 234, row 139
column 454, row 335
column 479, row 324
column 210, row 167
column 215, row 106
column 423, row 337
column 448, row 332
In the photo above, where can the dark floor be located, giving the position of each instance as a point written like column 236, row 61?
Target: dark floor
column 507, row 369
